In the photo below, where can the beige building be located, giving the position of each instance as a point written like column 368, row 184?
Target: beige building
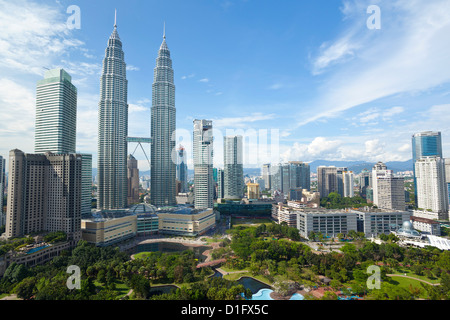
column 44, row 194
column 105, row 231
column 252, row 191
column 186, row 221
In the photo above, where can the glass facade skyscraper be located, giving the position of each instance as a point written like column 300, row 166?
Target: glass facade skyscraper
column 163, row 126
column 233, row 167
column 203, row 164
column 113, row 128
column 182, row 174
column 56, row 113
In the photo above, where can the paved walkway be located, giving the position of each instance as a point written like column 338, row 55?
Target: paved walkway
column 403, row 276
column 223, row 272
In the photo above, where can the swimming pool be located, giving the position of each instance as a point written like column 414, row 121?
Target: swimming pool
column 37, row 249
column 264, row 294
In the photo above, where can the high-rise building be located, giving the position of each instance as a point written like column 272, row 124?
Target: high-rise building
column 182, row 170
column 56, row 113
column 113, row 128
column 233, row 167
column 2, row 191
column 163, row 126
column 86, row 184
column 203, row 164
column 327, row 181
column 44, row 194
column 432, row 190
column 220, row 184
column 364, row 181
column 299, row 175
column 425, row 144
column 388, row 190
column 252, row 190
column 340, row 180
column 447, row 176
column 267, row 176
column 348, row 181
column 276, row 177
column 133, row 180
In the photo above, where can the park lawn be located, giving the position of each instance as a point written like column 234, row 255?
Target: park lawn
column 409, row 273
column 236, row 276
column 121, row 288
column 142, row 255
column 249, row 222
column 406, row 283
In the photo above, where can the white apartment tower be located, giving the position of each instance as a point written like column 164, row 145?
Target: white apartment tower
column 388, row 190
column 432, row 192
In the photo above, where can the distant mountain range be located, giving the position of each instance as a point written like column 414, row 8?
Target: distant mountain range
column 355, row 166
column 358, row 166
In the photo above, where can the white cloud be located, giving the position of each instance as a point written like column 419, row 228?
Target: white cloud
column 18, row 116
column 408, row 55
column 32, row 35
column 204, row 80
column 132, row 68
column 239, row 122
column 276, row 86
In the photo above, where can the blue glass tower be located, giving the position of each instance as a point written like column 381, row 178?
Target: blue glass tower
column 425, row 144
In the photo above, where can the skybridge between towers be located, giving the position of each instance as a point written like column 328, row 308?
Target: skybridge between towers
column 140, row 141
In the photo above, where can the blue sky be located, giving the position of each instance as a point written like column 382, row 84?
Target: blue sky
column 310, row 70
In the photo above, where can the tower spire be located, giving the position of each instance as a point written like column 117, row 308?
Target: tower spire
column 164, row 34
column 115, row 18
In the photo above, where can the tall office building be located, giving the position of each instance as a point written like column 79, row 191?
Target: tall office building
column 56, row 113
column 182, row 170
column 364, row 181
column 340, row 180
column 424, row 144
column 327, row 181
column 233, row 167
column 113, row 128
column 86, row 184
column 348, row 179
column 388, row 190
column 2, row 191
column 44, row 194
column 266, row 176
column 447, row 176
column 299, row 175
column 432, row 190
column 203, row 164
column 163, row 126
column 220, row 184
column 133, row 180
column 276, row 177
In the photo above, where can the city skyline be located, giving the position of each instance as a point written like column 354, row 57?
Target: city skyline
column 319, row 96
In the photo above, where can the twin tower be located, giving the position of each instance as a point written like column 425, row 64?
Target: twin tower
column 113, row 129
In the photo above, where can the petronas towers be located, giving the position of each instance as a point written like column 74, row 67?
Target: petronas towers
column 113, row 129
column 163, row 125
